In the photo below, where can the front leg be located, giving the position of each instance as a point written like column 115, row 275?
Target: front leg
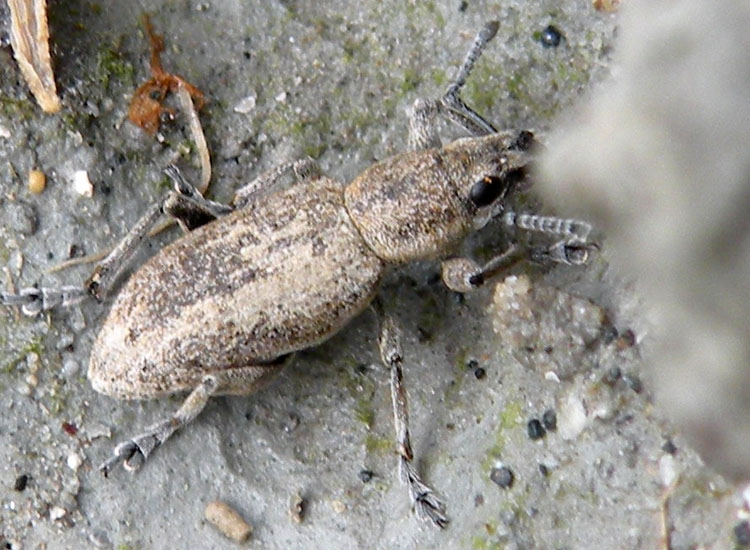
column 424, row 501
column 423, row 114
column 464, row 274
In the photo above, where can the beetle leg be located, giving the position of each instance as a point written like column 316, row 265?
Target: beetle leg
column 240, row 381
column 574, row 247
column 35, row 300
column 185, row 204
column 464, row 274
column 425, row 502
column 188, row 206
column 564, row 252
column 303, row 169
column 423, row 113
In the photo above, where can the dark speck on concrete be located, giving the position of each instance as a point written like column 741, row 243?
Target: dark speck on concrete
column 634, row 382
column 742, row 533
column 612, row 376
column 550, row 37
column 535, row 429
column 503, row 476
column 669, row 447
column 21, row 482
column 366, row 475
column 549, row 419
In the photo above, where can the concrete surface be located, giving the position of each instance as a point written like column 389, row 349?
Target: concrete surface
column 331, row 81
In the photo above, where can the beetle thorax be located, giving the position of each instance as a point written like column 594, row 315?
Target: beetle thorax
column 408, row 207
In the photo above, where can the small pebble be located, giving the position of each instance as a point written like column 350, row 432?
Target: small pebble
column 626, row 340
column 338, row 506
column 634, row 382
column 667, row 470
column 549, row 419
column 612, row 376
column 37, row 181
column 669, row 447
column 479, row 373
column 21, row 482
column 32, row 362
column 535, row 429
column 70, row 367
column 82, row 184
column 74, row 461
column 57, row 512
column 572, row 417
column 606, row 5
column 69, row 428
column 228, row 521
column 503, row 476
column 297, row 508
column 742, row 533
column 550, row 37
column 245, row 105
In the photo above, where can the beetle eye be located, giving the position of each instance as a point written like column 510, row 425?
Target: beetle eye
column 485, row 191
column 523, row 141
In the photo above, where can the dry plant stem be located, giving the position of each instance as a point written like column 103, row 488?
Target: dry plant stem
column 196, row 130
column 29, row 37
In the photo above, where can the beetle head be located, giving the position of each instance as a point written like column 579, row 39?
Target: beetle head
column 492, row 168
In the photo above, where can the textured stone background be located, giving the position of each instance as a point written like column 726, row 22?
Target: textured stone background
column 332, row 81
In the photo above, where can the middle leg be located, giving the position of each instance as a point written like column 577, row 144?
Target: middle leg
column 425, row 502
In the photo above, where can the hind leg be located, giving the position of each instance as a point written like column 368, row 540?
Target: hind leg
column 133, row 452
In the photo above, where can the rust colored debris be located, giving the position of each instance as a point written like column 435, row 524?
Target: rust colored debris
column 146, row 106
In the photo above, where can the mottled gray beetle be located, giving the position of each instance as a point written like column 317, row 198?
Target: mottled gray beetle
column 224, row 308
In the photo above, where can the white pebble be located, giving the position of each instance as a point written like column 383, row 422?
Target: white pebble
column 32, row 362
column 57, row 512
column 70, row 367
column 571, row 417
column 551, row 376
column 245, row 105
column 82, row 184
column 667, row 470
column 74, row 461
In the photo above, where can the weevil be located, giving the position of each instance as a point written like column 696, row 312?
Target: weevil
column 225, row 307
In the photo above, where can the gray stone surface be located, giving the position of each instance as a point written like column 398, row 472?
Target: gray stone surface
column 329, row 80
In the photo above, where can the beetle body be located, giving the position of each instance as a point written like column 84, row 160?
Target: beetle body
column 288, row 271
